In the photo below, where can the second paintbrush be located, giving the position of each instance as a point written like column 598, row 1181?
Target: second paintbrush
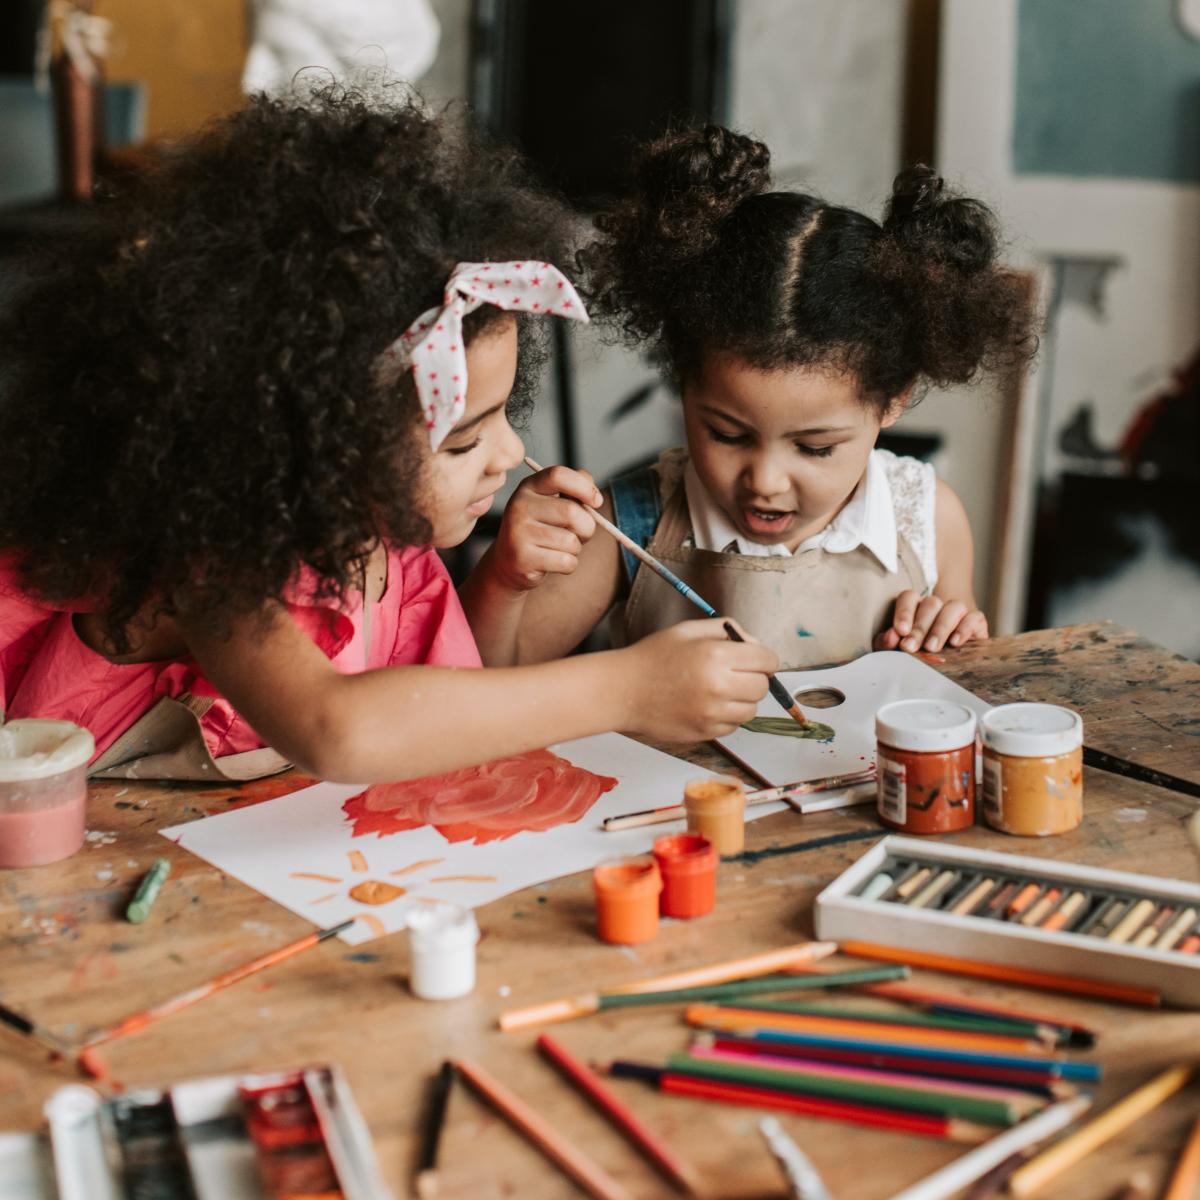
column 778, row 688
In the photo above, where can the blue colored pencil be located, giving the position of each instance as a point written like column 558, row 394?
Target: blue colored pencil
column 1051, row 1068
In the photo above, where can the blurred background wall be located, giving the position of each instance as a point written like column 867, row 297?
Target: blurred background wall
column 1077, row 120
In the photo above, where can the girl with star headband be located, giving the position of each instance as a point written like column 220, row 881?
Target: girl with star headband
column 241, row 412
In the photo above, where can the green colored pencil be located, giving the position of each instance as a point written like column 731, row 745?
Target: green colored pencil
column 914, row 1099
column 748, row 987
column 1020, row 1029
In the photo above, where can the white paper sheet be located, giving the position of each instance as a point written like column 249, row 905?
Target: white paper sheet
column 868, row 683
column 266, row 845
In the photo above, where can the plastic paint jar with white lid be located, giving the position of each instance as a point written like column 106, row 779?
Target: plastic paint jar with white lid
column 441, row 940
column 1032, row 769
column 925, row 765
column 43, row 790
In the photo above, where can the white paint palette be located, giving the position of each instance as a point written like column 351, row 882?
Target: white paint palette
column 867, row 683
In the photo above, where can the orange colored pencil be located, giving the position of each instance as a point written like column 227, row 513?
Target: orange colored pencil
column 714, row 1016
column 591, row 1177
column 140, row 1020
column 1187, row 1170
column 1046, row 980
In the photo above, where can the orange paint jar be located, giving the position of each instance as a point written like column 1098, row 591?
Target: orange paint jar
column 716, row 810
column 925, row 765
column 627, row 900
column 1032, row 769
column 688, row 865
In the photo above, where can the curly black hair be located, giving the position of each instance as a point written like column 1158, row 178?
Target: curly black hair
column 189, row 410
column 702, row 256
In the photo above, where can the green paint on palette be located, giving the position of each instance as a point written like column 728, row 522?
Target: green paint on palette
column 814, row 731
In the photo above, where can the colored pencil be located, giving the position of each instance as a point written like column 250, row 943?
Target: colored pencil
column 873, row 1115
column 439, row 1096
column 1047, row 1068
column 791, row 793
column 947, row 1002
column 1021, row 1104
column 1127, row 994
column 591, row 1177
column 1187, row 1170
column 680, row 1173
column 168, row 1007
column 35, row 1032
column 1035, row 1082
column 731, row 1017
column 777, row 688
column 739, row 968
column 924, row 1020
column 931, row 1101
column 952, row 1178
column 803, row 1178
column 1052, row 1162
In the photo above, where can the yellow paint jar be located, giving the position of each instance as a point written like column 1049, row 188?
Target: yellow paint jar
column 1032, row 769
column 716, row 809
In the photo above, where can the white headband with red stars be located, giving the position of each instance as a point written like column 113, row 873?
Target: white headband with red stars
column 433, row 344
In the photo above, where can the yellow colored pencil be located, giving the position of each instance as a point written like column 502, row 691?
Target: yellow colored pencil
column 1051, row 1163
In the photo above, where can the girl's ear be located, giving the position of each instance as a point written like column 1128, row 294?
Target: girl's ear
column 896, row 407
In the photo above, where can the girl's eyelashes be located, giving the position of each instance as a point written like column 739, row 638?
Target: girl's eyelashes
column 728, row 439
column 463, row 449
column 816, row 451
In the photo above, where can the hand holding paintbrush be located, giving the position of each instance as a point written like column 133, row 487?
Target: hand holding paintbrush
column 777, row 687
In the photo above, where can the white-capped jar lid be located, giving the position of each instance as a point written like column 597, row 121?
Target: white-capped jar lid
column 1032, row 730
column 925, row 725
column 442, row 927
column 38, row 748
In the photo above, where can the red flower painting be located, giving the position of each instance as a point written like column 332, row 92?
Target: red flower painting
column 533, row 791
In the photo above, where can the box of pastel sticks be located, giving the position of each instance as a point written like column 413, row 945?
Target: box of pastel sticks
column 249, row 1137
column 1057, row 917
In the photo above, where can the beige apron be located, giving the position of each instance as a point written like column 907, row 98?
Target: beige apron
column 167, row 742
column 813, row 609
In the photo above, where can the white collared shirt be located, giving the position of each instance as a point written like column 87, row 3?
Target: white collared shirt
column 867, row 519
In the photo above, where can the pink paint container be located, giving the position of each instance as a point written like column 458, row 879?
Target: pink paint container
column 688, row 865
column 43, row 790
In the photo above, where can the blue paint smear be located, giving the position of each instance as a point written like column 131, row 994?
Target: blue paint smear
column 802, row 632
column 362, row 956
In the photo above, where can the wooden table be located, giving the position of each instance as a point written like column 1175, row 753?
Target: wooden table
column 70, row 960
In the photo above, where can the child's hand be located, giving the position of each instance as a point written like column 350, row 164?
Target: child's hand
column 543, row 529
column 692, row 683
column 931, row 623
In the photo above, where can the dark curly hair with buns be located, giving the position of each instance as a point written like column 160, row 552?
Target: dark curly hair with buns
column 704, row 257
column 188, row 408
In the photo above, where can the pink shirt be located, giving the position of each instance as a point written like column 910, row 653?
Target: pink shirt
column 47, row 671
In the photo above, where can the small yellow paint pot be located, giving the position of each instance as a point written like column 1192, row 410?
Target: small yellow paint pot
column 1032, row 769
column 716, row 809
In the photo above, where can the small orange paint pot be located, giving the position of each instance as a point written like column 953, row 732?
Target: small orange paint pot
column 688, row 865
column 627, row 894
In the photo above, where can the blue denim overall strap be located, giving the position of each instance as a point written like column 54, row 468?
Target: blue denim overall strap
column 636, row 512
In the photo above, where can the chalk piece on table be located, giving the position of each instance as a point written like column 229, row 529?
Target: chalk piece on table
column 147, row 893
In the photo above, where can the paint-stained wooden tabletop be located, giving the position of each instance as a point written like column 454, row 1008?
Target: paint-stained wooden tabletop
column 70, row 960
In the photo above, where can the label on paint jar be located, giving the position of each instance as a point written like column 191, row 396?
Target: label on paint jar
column 993, row 790
column 893, row 790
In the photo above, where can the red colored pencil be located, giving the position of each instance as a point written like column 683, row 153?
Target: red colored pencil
column 946, row 1128
column 678, row 1171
